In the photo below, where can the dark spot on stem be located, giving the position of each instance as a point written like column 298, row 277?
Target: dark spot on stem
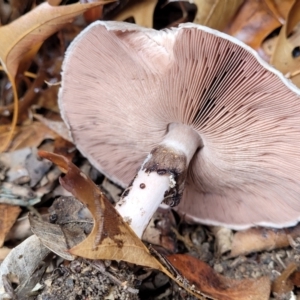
column 161, row 172
column 142, row 185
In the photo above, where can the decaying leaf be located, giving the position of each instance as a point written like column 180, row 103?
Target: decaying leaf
column 111, row 238
column 8, row 216
column 286, row 56
column 283, row 284
column 13, row 162
column 20, row 266
column 256, row 19
column 18, row 37
column 216, row 286
column 58, row 126
column 23, row 37
column 14, row 194
column 30, row 135
column 217, row 13
column 259, row 239
column 70, row 222
column 52, row 236
column 141, row 10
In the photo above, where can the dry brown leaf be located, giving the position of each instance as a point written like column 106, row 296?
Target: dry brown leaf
column 54, row 2
column 30, row 135
column 8, row 216
column 283, row 58
column 217, row 13
column 259, row 239
column 24, row 36
column 293, row 18
column 141, row 10
column 216, row 286
column 18, row 37
column 283, row 284
column 111, row 238
column 93, row 14
column 256, row 19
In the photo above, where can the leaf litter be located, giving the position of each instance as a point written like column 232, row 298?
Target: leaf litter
column 205, row 262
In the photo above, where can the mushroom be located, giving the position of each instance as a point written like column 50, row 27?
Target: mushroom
column 219, row 127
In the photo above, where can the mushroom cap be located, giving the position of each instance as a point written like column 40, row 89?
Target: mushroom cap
column 122, row 85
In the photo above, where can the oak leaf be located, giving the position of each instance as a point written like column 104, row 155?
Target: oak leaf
column 217, row 13
column 23, row 37
column 111, row 238
column 216, row 286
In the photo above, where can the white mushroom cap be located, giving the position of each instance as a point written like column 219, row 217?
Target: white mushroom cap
column 123, row 85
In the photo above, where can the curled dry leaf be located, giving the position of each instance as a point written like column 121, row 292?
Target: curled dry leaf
column 259, row 239
column 284, row 58
column 111, row 238
column 217, row 13
column 216, row 286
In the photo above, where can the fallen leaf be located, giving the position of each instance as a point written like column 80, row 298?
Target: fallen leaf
column 141, row 10
column 217, row 13
column 259, row 239
column 8, row 216
column 27, row 33
column 283, row 284
column 295, row 277
column 216, row 286
column 31, row 135
column 57, row 126
column 14, row 194
column 159, row 230
column 256, row 19
column 284, row 58
column 14, row 163
column 20, row 266
column 70, row 221
column 18, row 37
column 36, row 167
column 93, row 14
column 111, row 238
column 64, row 147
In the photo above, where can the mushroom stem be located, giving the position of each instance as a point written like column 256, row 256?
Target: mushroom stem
column 161, row 177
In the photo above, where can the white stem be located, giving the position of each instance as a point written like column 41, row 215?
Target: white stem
column 146, row 194
column 150, row 187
